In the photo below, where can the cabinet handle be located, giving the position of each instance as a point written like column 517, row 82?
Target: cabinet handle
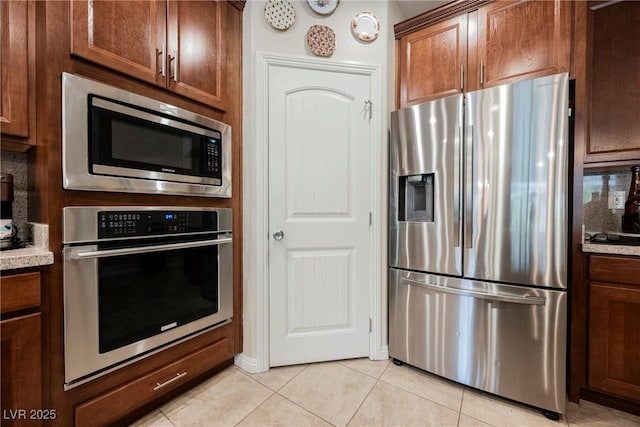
column 481, row 72
column 176, row 378
column 163, row 61
column 461, row 78
column 174, row 59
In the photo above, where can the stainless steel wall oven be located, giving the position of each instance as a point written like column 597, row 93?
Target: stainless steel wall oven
column 137, row 279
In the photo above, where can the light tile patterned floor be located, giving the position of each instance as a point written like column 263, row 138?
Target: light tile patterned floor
column 357, row 392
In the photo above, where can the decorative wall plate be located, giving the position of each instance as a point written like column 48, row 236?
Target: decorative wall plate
column 280, row 14
column 365, row 26
column 321, row 40
column 323, row 7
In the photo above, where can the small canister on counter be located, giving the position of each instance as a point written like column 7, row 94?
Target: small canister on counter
column 7, row 229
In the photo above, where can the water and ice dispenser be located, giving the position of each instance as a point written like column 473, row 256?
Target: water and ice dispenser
column 416, row 198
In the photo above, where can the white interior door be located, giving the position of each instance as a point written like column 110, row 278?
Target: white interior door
column 319, row 203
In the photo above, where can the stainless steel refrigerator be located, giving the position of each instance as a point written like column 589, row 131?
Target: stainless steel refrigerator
column 478, row 238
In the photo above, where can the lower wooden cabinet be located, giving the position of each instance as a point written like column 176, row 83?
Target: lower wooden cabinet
column 21, row 357
column 614, row 326
column 113, row 405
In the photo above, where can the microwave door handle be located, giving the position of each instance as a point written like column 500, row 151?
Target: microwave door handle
column 146, row 249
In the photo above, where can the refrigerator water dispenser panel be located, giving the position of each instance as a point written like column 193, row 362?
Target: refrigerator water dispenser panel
column 416, row 198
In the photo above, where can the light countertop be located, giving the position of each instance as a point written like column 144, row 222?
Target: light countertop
column 601, row 248
column 36, row 255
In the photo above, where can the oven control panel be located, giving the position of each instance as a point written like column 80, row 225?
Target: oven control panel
column 136, row 223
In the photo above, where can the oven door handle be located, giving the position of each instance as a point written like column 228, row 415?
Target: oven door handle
column 146, row 249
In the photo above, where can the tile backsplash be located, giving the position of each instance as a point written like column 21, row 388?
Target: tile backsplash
column 597, row 216
column 16, row 165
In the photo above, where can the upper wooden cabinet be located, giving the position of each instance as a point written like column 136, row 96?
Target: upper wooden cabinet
column 519, row 40
column 178, row 45
column 614, row 62
column 433, row 61
column 127, row 36
column 196, row 49
column 14, row 109
column 500, row 42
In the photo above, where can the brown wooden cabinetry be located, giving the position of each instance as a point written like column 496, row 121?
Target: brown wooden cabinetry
column 116, row 404
column 614, row 335
column 462, row 49
column 614, row 61
column 16, row 66
column 127, row 36
column 196, row 50
column 518, row 40
column 21, row 351
column 178, row 45
column 433, row 61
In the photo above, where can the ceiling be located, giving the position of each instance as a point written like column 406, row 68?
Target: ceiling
column 411, row 8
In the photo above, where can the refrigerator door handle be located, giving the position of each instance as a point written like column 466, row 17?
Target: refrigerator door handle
column 525, row 299
column 456, row 189
column 469, row 192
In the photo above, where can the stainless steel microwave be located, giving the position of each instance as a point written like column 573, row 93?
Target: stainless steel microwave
column 114, row 140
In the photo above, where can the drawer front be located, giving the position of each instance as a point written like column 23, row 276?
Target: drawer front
column 482, row 335
column 19, row 291
column 614, row 269
column 114, row 405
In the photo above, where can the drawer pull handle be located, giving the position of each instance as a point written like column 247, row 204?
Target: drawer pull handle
column 176, row 378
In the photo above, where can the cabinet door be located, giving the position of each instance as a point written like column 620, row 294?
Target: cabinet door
column 519, row 40
column 614, row 339
column 127, row 36
column 433, row 62
column 14, row 113
column 615, row 94
column 21, row 368
column 196, row 50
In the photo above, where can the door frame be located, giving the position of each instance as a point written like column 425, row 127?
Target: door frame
column 256, row 295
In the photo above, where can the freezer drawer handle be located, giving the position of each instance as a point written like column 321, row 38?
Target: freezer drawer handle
column 529, row 300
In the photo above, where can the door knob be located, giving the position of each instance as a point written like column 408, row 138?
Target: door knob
column 278, row 235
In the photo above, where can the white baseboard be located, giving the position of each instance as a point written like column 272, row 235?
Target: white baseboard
column 247, row 364
column 383, row 353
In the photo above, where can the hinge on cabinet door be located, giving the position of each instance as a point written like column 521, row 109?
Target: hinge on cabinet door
column 461, row 78
column 370, row 324
column 570, row 111
column 370, row 218
column 481, row 72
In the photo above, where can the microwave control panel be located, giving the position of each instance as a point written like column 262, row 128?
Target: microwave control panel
column 116, row 224
column 213, row 159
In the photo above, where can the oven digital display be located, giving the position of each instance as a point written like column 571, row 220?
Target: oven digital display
column 150, row 223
